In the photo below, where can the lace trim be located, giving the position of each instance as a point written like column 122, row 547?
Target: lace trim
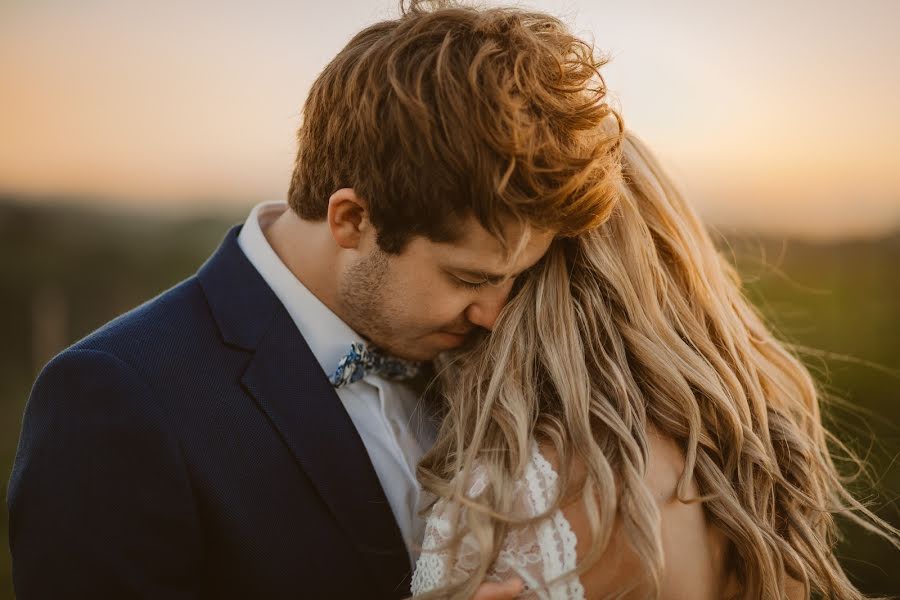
column 537, row 553
column 558, row 541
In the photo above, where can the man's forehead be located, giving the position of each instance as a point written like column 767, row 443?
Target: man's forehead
column 480, row 255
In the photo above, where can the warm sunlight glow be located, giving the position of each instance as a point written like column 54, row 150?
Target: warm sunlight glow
column 774, row 115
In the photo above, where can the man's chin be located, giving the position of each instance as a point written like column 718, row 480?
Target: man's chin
column 432, row 345
column 418, row 354
column 448, row 342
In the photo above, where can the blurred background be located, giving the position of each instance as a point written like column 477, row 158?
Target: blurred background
column 133, row 134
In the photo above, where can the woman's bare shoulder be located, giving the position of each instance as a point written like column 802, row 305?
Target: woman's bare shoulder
column 694, row 551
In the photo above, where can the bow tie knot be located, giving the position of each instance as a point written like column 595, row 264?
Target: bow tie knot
column 364, row 359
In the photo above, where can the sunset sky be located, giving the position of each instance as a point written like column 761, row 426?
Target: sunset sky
column 781, row 116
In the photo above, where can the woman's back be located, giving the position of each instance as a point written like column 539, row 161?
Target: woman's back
column 696, row 554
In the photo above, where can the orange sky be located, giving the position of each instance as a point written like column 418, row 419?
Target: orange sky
column 781, row 116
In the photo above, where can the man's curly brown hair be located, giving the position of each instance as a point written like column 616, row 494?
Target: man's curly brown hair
column 451, row 111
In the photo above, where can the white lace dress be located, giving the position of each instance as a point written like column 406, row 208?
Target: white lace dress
column 538, row 553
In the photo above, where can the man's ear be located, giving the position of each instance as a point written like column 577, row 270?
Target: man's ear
column 348, row 218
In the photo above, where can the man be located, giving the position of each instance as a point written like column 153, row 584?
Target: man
column 253, row 432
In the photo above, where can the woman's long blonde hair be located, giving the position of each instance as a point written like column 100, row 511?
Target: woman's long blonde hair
column 642, row 320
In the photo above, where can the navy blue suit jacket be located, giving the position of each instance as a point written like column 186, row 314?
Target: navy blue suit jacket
column 194, row 448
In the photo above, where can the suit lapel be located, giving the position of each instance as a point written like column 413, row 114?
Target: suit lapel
column 285, row 379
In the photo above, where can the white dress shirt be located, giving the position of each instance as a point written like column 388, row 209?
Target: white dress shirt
column 383, row 411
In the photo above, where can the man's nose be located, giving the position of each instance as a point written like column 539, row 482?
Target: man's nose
column 486, row 308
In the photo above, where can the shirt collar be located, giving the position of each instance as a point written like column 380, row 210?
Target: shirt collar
column 327, row 335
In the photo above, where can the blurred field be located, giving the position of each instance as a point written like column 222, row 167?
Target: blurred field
column 64, row 271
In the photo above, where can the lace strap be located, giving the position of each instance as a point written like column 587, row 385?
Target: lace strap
column 538, row 553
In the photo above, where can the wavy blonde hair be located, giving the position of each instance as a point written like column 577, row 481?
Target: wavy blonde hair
column 643, row 321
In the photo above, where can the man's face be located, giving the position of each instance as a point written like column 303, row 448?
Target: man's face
column 429, row 298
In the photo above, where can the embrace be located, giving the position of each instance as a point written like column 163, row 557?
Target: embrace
column 484, row 350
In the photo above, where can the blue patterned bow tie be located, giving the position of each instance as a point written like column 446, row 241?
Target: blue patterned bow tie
column 364, row 359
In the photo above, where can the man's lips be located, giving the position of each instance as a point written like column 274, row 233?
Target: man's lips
column 461, row 334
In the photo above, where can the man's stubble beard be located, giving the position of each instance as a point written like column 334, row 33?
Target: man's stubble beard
column 361, row 295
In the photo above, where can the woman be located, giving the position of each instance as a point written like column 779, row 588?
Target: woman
column 631, row 428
